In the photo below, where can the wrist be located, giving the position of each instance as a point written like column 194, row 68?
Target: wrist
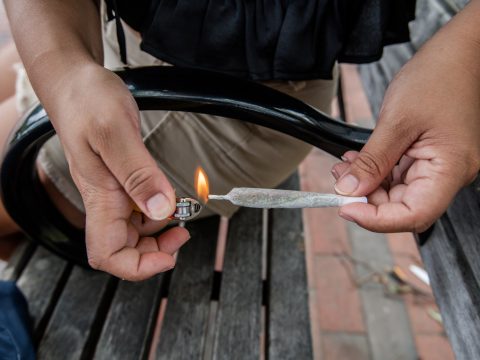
column 53, row 72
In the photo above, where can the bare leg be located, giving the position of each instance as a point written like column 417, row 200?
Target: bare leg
column 8, row 57
column 8, row 118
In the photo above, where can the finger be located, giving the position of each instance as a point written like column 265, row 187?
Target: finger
column 386, row 217
column 170, row 241
column 379, row 196
column 146, row 226
column 147, row 244
column 390, row 139
column 339, row 169
column 399, row 171
column 127, row 158
column 413, row 207
column 130, row 264
column 350, row 156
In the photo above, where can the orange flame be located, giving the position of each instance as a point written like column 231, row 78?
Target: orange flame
column 201, row 184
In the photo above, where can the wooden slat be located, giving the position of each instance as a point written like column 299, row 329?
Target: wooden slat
column 18, row 261
column 239, row 307
column 456, row 291
column 41, row 282
column 450, row 254
column 464, row 215
column 129, row 325
column 288, row 316
column 185, row 324
column 72, row 324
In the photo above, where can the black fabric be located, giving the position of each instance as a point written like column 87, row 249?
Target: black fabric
column 268, row 39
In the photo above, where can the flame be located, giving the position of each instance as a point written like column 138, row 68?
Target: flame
column 201, row 184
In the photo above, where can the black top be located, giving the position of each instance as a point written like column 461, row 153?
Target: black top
column 267, row 39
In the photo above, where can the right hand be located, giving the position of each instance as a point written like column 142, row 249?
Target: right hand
column 98, row 124
column 425, row 146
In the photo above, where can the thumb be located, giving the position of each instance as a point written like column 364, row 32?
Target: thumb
column 376, row 159
column 131, row 164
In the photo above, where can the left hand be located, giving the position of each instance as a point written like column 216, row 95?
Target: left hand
column 426, row 145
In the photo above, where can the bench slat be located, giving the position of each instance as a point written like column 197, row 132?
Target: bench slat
column 72, row 323
column 41, row 282
column 18, row 261
column 185, row 324
column 239, row 307
column 451, row 255
column 129, row 325
column 289, row 323
column 464, row 215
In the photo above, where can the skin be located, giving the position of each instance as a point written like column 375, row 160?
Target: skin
column 95, row 116
column 429, row 121
column 426, row 145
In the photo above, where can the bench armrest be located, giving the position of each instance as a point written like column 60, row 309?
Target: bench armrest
column 159, row 88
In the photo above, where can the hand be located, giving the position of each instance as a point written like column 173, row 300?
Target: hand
column 97, row 121
column 426, row 145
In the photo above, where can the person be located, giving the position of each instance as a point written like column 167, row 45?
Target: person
column 435, row 154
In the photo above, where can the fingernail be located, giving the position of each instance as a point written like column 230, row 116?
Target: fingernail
column 346, row 217
column 335, row 173
column 346, row 185
column 344, row 158
column 159, row 207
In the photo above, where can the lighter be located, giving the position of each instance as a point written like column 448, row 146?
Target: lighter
column 187, row 209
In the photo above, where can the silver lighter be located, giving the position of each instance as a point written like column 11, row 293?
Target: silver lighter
column 187, row 209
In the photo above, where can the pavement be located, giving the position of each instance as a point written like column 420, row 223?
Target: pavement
column 358, row 309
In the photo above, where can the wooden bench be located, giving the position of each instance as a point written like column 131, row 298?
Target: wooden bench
column 451, row 253
column 255, row 307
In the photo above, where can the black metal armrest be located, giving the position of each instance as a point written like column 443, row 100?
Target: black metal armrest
column 159, row 88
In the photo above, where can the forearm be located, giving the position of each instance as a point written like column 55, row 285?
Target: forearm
column 457, row 44
column 53, row 38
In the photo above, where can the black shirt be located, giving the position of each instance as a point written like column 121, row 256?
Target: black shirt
column 267, row 39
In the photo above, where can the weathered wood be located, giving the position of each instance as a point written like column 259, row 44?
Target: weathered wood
column 464, row 215
column 185, row 324
column 18, row 261
column 386, row 318
column 289, row 334
column 131, row 318
column 41, row 282
column 73, row 325
column 238, row 317
column 450, row 255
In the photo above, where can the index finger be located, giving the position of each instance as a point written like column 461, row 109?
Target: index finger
column 426, row 195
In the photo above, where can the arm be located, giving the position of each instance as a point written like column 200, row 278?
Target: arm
column 430, row 126
column 95, row 116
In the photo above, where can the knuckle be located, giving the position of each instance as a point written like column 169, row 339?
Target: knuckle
column 422, row 225
column 370, row 164
column 137, row 181
column 472, row 166
column 133, row 277
column 95, row 263
column 103, row 132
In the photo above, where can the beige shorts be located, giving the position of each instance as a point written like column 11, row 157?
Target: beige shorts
column 232, row 153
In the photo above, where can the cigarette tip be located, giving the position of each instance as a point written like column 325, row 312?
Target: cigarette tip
column 350, row 200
